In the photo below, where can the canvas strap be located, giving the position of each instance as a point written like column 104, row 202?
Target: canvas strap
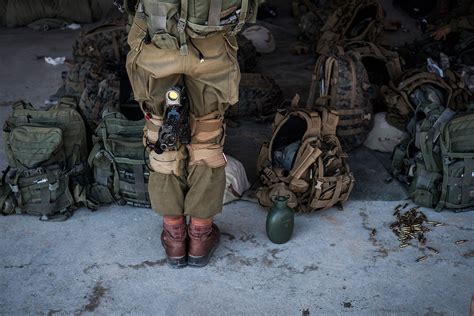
column 215, row 9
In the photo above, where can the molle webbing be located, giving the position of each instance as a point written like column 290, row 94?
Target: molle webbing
column 307, row 185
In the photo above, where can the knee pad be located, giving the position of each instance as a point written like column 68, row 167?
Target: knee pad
column 207, row 140
column 169, row 162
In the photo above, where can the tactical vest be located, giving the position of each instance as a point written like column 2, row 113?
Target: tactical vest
column 118, row 162
column 396, row 95
column 304, row 161
column 340, row 82
column 359, row 20
column 46, row 153
column 170, row 23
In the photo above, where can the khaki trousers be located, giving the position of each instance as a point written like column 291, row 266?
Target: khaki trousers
column 212, row 85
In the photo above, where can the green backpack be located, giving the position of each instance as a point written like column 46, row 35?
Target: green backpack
column 118, row 162
column 46, row 152
column 435, row 162
column 457, row 152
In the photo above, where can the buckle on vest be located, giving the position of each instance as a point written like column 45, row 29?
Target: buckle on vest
column 14, row 188
column 53, row 186
column 238, row 27
column 319, row 185
column 181, row 25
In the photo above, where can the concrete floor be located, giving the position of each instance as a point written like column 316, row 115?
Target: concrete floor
column 111, row 262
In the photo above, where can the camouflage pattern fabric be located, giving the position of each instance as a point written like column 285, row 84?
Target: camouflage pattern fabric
column 341, row 83
column 95, row 98
column 259, row 96
column 105, row 44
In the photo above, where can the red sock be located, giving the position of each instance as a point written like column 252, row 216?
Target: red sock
column 201, row 221
column 173, row 220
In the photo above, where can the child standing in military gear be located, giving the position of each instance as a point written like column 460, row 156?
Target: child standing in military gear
column 190, row 44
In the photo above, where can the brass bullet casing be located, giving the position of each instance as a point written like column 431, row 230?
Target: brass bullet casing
column 462, row 241
column 403, row 245
column 438, row 224
column 421, row 259
column 433, row 250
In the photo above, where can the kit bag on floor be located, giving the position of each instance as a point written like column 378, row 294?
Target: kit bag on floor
column 105, row 44
column 457, row 151
column 341, row 83
column 435, row 161
column 396, row 98
column 359, row 20
column 47, row 153
column 304, row 161
column 118, row 162
column 259, row 96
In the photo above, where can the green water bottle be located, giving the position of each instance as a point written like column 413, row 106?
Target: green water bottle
column 280, row 221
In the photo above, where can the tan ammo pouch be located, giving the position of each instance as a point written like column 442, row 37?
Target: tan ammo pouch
column 207, row 137
column 266, row 195
column 169, row 162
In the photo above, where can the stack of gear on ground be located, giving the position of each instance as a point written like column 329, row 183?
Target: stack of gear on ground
column 118, row 162
column 47, row 154
column 436, row 160
column 304, row 161
column 351, row 67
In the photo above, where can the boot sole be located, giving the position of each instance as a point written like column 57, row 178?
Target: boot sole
column 177, row 263
column 199, row 262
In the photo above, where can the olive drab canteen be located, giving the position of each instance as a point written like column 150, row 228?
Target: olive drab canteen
column 280, row 221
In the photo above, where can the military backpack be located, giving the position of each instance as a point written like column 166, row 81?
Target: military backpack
column 435, row 160
column 105, row 44
column 340, row 82
column 118, row 162
column 47, row 153
column 304, row 161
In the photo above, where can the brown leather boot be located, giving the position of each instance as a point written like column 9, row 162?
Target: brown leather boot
column 203, row 240
column 174, row 239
